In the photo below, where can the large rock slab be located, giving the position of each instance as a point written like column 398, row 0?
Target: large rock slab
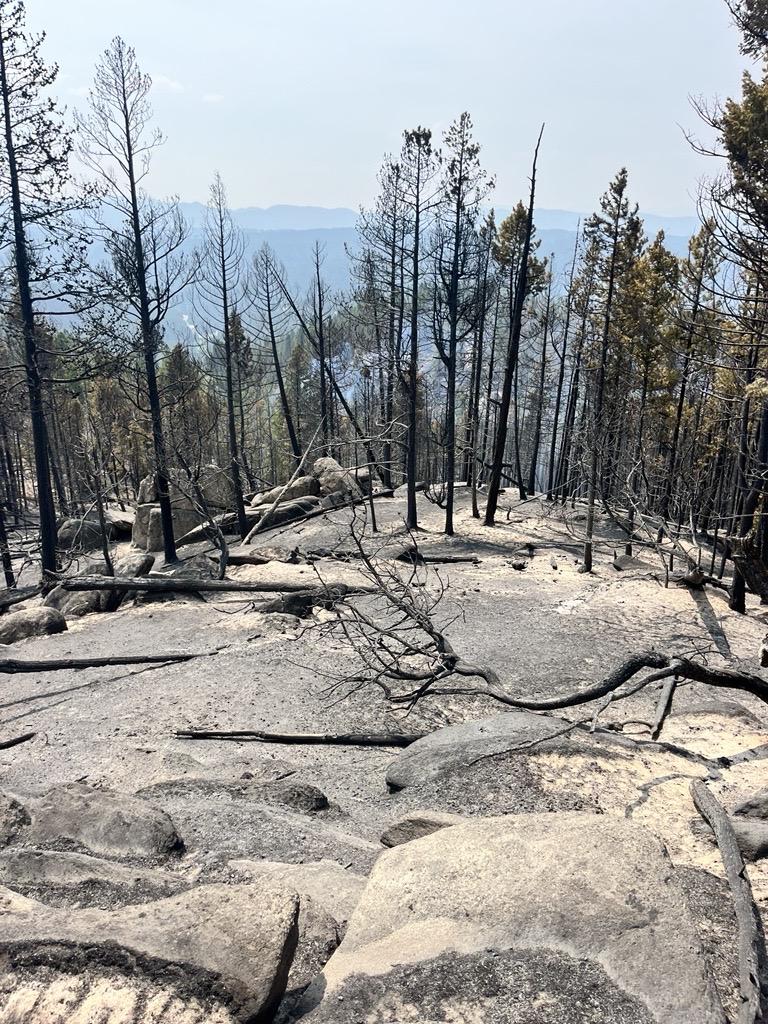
column 755, row 806
column 326, row 882
column 80, row 535
column 242, row 821
column 301, row 487
column 15, row 626
column 334, row 479
column 73, row 604
column 558, row 899
column 184, row 520
column 63, row 879
column 78, row 817
column 459, row 745
column 418, row 824
column 222, row 951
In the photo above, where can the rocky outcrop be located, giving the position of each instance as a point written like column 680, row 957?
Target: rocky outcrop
column 217, row 491
column 458, row 745
column 73, row 604
column 326, row 882
column 216, row 953
column 575, row 916
column 59, row 878
column 334, row 479
column 78, row 817
column 302, row 487
column 85, row 534
column 16, row 626
column 148, row 527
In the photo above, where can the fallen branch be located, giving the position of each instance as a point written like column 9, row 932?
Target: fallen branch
column 339, row 739
column 12, row 666
column 11, row 597
column 16, row 740
column 662, row 708
column 176, row 585
column 451, row 664
column 753, row 961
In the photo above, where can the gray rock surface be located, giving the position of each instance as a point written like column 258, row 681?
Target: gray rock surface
column 597, row 895
column 73, row 604
column 184, row 520
column 334, row 479
column 77, row 817
column 755, row 806
column 510, row 986
column 224, row 949
column 300, row 488
column 326, row 882
column 418, row 824
column 80, row 535
column 458, row 745
column 15, row 626
column 239, row 821
column 58, row 878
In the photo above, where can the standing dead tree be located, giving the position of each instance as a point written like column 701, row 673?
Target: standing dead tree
column 147, row 268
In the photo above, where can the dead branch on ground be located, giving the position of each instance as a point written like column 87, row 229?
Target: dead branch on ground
column 338, row 739
column 753, row 961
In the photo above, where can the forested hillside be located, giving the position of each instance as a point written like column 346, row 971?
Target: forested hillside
column 383, row 637
column 435, row 339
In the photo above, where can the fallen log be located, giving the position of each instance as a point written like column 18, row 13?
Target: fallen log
column 302, row 602
column 16, row 740
column 177, row 585
column 388, row 493
column 399, row 553
column 662, row 708
column 13, row 666
column 337, row 739
column 246, row 558
column 753, row 961
column 11, row 597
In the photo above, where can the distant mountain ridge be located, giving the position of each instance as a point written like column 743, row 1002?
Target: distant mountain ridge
column 286, row 217
column 292, row 231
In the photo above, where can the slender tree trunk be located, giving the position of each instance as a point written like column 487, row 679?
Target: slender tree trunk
column 31, row 368
column 494, row 483
column 411, row 440
column 561, row 375
column 600, row 395
column 148, row 341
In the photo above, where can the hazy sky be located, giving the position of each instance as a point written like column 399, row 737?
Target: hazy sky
column 295, row 101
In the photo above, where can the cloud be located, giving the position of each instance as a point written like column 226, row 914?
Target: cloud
column 78, row 90
column 167, row 84
column 212, row 97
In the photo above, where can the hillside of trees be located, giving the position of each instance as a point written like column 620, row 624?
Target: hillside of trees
column 383, row 636
column 463, row 350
